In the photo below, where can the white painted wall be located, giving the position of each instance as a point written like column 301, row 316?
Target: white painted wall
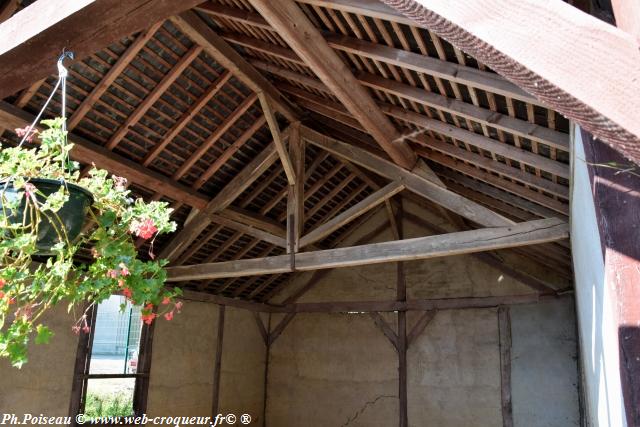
column 597, row 330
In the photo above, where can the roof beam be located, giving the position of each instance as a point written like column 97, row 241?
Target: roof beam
column 191, row 24
column 225, row 197
column 87, row 152
column 414, row 183
column 277, row 139
column 464, row 242
column 360, row 208
column 305, row 39
column 32, row 38
column 494, row 31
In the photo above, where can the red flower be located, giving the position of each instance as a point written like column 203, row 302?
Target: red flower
column 144, row 229
column 166, row 300
column 124, row 271
column 86, row 329
column 21, row 132
column 11, row 301
column 2, row 283
column 126, row 292
column 1, row 294
column 149, row 306
column 169, row 315
column 148, row 318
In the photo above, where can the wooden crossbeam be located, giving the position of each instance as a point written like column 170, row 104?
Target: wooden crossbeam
column 523, row 234
column 195, row 108
column 90, row 153
column 117, row 68
column 413, row 182
column 225, row 197
column 352, row 213
column 153, row 96
column 193, row 26
column 32, row 38
column 375, row 306
column 277, row 139
column 305, row 39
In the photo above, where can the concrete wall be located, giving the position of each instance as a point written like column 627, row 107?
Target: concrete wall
column 598, row 331
column 43, row 385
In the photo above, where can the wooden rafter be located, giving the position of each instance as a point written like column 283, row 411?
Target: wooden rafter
column 305, row 39
column 225, row 197
column 413, row 182
column 153, row 96
column 523, row 234
column 352, row 213
column 31, row 38
column 494, row 32
column 277, row 138
column 191, row 24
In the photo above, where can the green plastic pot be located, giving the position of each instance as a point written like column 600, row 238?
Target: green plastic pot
column 72, row 215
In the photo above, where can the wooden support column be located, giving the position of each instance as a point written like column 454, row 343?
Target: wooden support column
column 295, row 199
column 504, row 329
column 218, row 362
column 81, row 368
column 401, row 296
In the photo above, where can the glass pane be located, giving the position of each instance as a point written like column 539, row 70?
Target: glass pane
column 116, row 337
column 109, row 397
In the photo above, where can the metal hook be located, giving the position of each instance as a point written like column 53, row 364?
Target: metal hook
column 62, row 71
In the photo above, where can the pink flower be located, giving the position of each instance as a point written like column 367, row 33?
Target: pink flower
column 148, row 318
column 86, row 329
column 2, row 283
column 169, row 315
column 30, row 191
column 21, row 132
column 166, row 300
column 1, row 294
column 120, row 283
column 144, row 229
column 75, row 329
column 179, row 306
column 112, row 273
column 124, row 271
column 120, row 182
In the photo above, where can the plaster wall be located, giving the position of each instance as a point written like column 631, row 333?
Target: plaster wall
column 182, row 365
column 243, row 367
column 326, row 368
column 43, row 385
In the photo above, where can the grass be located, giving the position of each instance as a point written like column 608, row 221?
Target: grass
column 105, row 405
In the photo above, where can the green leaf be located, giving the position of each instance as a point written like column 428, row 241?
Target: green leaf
column 43, row 334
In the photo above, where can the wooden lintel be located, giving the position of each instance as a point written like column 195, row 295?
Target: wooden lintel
column 523, row 234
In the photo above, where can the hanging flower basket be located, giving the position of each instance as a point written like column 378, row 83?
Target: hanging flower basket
column 86, row 224
column 21, row 207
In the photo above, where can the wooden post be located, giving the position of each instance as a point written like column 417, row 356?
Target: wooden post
column 81, row 369
column 401, row 296
column 141, row 391
column 504, row 329
column 218, row 363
